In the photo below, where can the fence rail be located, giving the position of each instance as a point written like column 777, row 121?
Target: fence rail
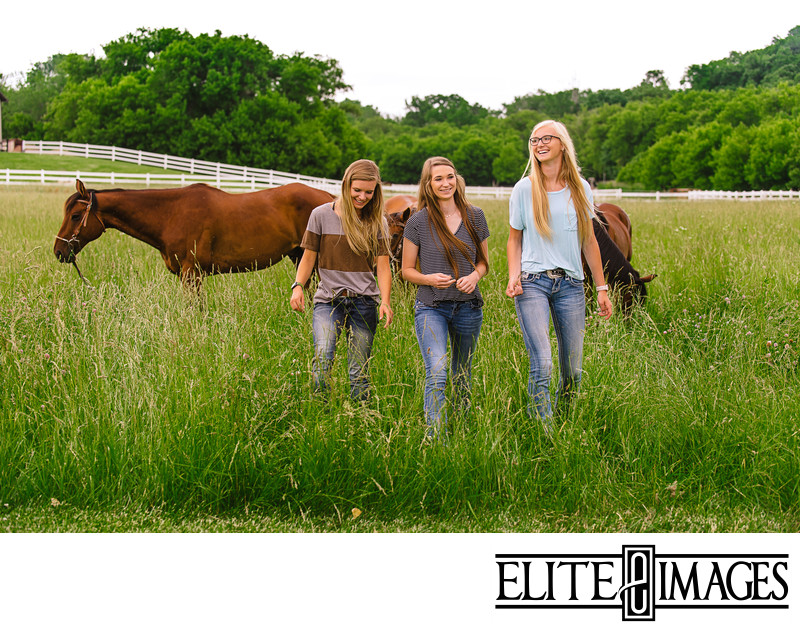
column 235, row 177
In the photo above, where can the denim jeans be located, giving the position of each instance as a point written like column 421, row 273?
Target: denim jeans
column 563, row 299
column 461, row 323
column 358, row 316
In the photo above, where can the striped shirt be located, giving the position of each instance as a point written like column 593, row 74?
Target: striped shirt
column 339, row 267
column 432, row 259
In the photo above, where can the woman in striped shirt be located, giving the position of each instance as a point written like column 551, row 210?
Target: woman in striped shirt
column 344, row 238
column 448, row 237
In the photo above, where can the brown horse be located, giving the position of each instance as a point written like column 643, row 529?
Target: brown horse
column 398, row 209
column 199, row 230
column 612, row 229
column 618, row 225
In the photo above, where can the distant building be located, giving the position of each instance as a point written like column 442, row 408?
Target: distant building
column 3, row 99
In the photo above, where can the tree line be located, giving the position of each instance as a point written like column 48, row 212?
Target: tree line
column 733, row 124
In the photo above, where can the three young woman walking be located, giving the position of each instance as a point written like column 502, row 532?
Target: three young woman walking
column 445, row 253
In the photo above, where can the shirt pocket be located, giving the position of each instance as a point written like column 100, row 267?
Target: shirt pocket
column 571, row 221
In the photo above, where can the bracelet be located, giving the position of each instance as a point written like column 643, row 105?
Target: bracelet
column 602, row 288
column 295, row 284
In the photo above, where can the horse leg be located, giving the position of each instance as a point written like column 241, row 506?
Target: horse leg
column 192, row 284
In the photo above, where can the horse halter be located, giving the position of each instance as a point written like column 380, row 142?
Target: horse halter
column 82, row 223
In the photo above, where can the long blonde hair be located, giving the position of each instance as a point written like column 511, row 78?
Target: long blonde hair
column 363, row 228
column 569, row 174
column 427, row 199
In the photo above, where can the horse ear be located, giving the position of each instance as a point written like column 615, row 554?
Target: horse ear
column 80, row 188
column 648, row 278
column 406, row 215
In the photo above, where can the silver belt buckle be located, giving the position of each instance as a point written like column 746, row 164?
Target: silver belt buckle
column 555, row 273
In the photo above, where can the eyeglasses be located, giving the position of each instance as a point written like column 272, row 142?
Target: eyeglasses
column 545, row 140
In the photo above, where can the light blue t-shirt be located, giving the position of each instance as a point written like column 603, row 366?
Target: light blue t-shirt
column 540, row 254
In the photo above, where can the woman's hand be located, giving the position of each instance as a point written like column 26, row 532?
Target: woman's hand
column 439, row 281
column 298, row 299
column 604, row 302
column 468, row 283
column 514, row 287
column 386, row 310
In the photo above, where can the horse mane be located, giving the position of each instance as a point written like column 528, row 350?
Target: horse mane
column 617, row 266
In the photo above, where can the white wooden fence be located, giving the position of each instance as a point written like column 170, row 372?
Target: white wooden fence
column 235, row 177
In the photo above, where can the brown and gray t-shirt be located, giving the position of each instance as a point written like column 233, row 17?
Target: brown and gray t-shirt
column 339, row 267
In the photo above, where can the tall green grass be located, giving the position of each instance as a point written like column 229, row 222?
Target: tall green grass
column 130, row 397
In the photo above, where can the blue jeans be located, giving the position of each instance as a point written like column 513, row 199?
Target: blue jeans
column 461, row 323
column 563, row 299
column 358, row 316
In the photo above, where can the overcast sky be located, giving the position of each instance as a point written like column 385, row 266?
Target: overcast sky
column 488, row 52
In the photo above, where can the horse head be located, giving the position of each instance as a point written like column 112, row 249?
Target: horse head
column 630, row 286
column 397, row 224
column 81, row 224
column 398, row 209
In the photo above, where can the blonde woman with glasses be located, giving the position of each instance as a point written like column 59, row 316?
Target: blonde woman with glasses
column 550, row 217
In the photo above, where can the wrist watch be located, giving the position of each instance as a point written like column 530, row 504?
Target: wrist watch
column 295, row 284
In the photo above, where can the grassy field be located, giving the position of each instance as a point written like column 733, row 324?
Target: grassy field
column 52, row 162
column 126, row 408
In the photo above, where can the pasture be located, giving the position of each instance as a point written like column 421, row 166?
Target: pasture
column 126, row 407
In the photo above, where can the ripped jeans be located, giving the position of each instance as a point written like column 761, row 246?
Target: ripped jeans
column 358, row 316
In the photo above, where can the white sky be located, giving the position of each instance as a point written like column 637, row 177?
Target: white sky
column 488, row 52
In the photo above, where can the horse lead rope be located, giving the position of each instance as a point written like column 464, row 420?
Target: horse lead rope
column 83, row 278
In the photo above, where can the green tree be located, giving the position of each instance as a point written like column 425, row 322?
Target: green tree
column 778, row 62
column 509, row 164
column 440, row 108
column 730, row 160
column 474, row 158
column 693, row 162
column 769, row 164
